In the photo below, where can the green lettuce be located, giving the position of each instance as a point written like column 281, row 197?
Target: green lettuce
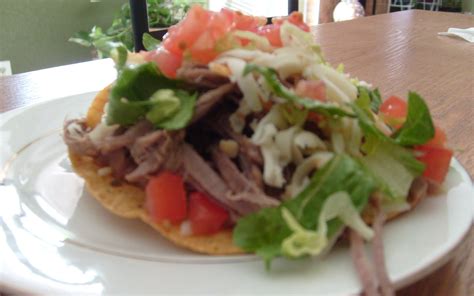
column 418, row 127
column 264, row 232
column 134, row 97
column 370, row 97
column 392, row 165
column 271, row 77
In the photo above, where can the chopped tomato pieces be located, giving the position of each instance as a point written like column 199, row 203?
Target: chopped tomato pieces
column 295, row 18
column 311, row 89
column 166, row 198
column 272, row 33
column 439, row 139
column 394, row 106
column 167, row 62
column 394, row 111
column 182, row 35
column 205, row 215
column 435, row 156
column 437, row 160
column 243, row 22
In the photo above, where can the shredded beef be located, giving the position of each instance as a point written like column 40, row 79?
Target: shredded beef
column 75, row 134
column 243, row 189
column 362, row 265
column 247, row 149
column 115, row 142
column 378, row 252
column 200, row 76
column 120, row 163
column 154, row 151
column 209, row 99
column 197, row 171
column 251, row 171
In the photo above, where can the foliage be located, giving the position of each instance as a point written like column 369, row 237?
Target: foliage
column 161, row 13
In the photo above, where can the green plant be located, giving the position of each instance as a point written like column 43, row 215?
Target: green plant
column 161, row 13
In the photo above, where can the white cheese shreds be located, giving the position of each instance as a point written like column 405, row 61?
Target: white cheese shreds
column 308, row 142
column 300, row 176
column 247, row 84
column 272, row 169
column 338, row 87
column 273, row 117
column 260, row 42
column 244, row 54
column 285, row 144
column 101, row 131
column 337, row 141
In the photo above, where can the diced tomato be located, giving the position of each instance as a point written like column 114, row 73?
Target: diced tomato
column 437, row 161
column 394, row 111
column 182, row 35
column 272, row 33
column 295, row 18
column 394, row 107
column 166, row 198
column 311, row 89
column 205, row 215
column 439, row 139
column 167, row 62
column 243, row 22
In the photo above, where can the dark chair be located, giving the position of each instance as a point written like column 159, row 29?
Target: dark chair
column 139, row 17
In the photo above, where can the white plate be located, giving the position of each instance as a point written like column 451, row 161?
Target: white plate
column 55, row 238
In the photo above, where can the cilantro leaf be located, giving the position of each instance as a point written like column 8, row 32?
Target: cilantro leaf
column 181, row 118
column 130, row 98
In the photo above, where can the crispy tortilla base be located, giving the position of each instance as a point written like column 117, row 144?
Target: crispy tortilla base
column 128, row 201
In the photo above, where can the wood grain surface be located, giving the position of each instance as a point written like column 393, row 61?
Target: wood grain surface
column 397, row 52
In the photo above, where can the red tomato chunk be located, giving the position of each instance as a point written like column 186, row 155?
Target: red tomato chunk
column 437, row 161
column 205, row 215
column 166, row 198
column 394, row 111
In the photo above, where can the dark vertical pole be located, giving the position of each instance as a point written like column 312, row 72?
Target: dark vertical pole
column 139, row 17
column 292, row 6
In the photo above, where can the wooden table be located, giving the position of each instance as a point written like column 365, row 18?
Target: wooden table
column 397, row 52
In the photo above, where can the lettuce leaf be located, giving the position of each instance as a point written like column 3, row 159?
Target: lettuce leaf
column 309, row 242
column 181, row 118
column 418, row 127
column 370, row 97
column 264, row 232
column 392, row 165
column 271, row 77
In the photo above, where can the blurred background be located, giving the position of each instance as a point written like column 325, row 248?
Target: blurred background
column 35, row 34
